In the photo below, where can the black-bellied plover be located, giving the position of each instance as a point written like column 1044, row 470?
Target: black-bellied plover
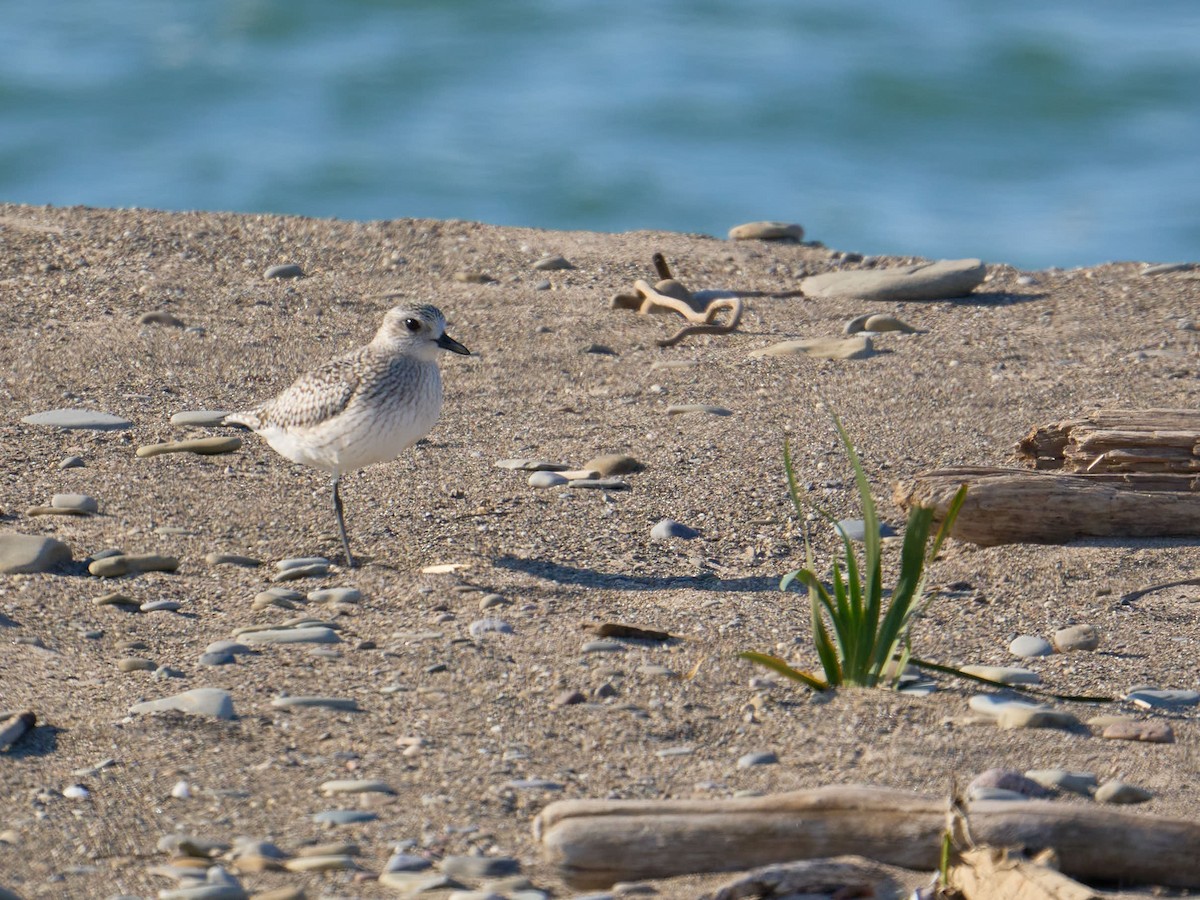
column 365, row 407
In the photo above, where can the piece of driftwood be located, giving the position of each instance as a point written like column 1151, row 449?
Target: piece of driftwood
column 843, row 876
column 596, row 843
column 1009, row 506
column 670, row 296
column 991, row 874
column 1117, row 440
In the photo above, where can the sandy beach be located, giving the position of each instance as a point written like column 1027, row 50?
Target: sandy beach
column 468, row 726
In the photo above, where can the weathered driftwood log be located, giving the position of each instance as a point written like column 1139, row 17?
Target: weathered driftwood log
column 1117, row 440
column 596, row 843
column 1008, row 506
column 990, row 874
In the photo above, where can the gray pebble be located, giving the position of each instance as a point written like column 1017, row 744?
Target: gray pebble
column 856, row 529
column 1150, row 698
column 301, row 562
column 78, row 418
column 232, row 559
column 316, row 570
column 994, row 706
column 222, row 658
column 356, row 786
column 1083, row 783
column 81, row 502
column 994, row 793
column 199, row 701
column 1004, row 674
column 339, row 703
column 669, row 529
column 757, row 758
column 310, row 635
column 284, row 270
column 135, row 664
column 1165, row 268
column 227, row 647
column 546, row 480
column 1077, row 637
column 71, row 462
column 679, row 409
column 200, row 417
column 1026, row 646
column 534, row 784
column 480, row 627
column 785, row 232
column 160, row 606
column 476, row 867
column 161, row 317
column 552, row 264
column 1121, row 792
column 491, row 601
column 532, row 465
column 406, row 862
column 1009, row 780
column 603, row 646
column 542, row 286
column 335, row 595
column 344, row 817
column 857, row 324
column 602, row 484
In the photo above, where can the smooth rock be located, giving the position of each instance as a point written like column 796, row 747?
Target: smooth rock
column 758, row 758
column 680, row 409
column 335, row 595
column 1027, row 646
column 857, row 324
column 210, row 658
column 416, row 883
column 301, row 562
column 600, row 484
column 310, row 635
column 1151, row 731
column 81, row 502
column 228, row 647
column 208, row 446
column 856, row 529
column 198, row 701
column 978, row 794
column 881, row 322
column 1082, row 783
column 1004, row 674
column 332, row 862
column 28, row 553
column 72, row 462
column 1009, row 780
column 161, row 606
column 161, row 317
column 34, row 511
column 1150, row 698
column 295, row 573
column 205, row 418
column 531, row 465
column 478, row 867
column 552, row 264
column 78, row 418
column 943, row 280
column 603, row 646
column 406, row 862
column 344, row 817
column 115, row 599
column 135, row 664
column 1077, row 637
column 613, row 464
column 1039, row 718
column 312, row 702
column 855, row 346
column 994, row 706
column 1121, row 792
column 786, row 232
column 284, row 270
column 1166, row 268
column 356, row 786
column 545, row 479
column 125, row 564
column 534, row 784
column 569, row 698
column 669, row 529
column 480, row 627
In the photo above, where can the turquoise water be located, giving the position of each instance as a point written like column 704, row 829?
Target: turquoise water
column 1031, row 132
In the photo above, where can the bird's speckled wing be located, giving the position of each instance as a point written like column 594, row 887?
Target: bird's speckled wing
column 315, row 396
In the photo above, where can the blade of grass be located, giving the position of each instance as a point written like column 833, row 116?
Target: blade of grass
column 775, row 664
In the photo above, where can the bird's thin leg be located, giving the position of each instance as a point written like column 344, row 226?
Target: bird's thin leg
column 341, row 520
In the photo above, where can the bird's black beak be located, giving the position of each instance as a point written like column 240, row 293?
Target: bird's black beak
column 448, row 343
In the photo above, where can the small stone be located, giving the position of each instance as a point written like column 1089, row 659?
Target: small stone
column 199, row 701
column 1150, row 698
column 232, row 559
column 284, row 270
column 202, row 418
column 81, row 502
column 1076, row 637
column 135, row 664
column 1115, row 791
column 602, row 646
column 600, row 484
column 1004, row 674
column 1151, row 731
column 534, row 784
column 882, row 322
column 669, row 529
column 943, row 280
column 160, row 317
column 15, row 726
column 282, row 597
column 316, row 570
column 480, row 627
column 613, row 464
column 531, row 465
column 857, row 346
column 209, row 446
column 301, row 562
column 546, row 480
column 491, row 601
column 310, row 635
column 310, row 702
column 33, row 511
column 1166, row 268
column 758, row 758
column 406, row 862
column 979, row 794
column 552, row 264
column 1008, row 780
column 785, row 232
column 600, row 350
column 115, row 599
column 473, row 278
column 356, row 786
column 125, row 564
column 1027, row 646
column 414, row 883
column 1015, row 717
column 1082, row 783
column 336, row 595
column 27, row 553
column 857, row 324
column 211, row 658
column 161, row 606
column 479, row 867
column 78, row 418
column 71, row 462
column 333, row 862
column 569, row 698
column 344, row 817
column 856, row 529
column 681, row 409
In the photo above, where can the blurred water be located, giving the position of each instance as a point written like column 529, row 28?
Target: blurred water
column 1034, row 132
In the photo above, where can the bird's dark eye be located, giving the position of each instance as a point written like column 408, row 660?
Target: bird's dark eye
column 412, row 325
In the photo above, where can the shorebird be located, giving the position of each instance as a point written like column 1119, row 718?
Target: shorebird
column 367, row 406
